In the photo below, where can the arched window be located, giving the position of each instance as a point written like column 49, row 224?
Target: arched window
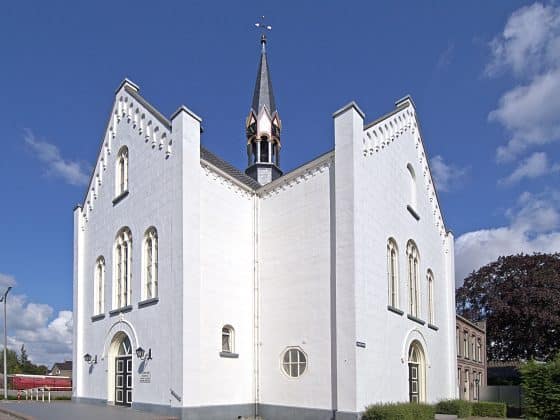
column 125, row 348
column 393, row 272
column 121, row 175
column 413, row 268
column 294, row 362
column 150, row 264
column 431, row 307
column 227, row 339
column 412, row 182
column 99, row 286
column 123, row 263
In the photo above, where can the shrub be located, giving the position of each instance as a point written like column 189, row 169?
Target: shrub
column 399, row 411
column 489, row 409
column 541, row 389
column 460, row 408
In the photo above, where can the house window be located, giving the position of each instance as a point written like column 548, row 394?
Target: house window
column 294, row 362
column 392, row 272
column 473, row 355
column 99, row 286
column 122, row 276
column 412, row 182
column 413, row 290
column 465, row 345
column 150, row 264
column 458, row 338
column 431, row 316
column 122, row 171
column 227, row 339
column 479, row 350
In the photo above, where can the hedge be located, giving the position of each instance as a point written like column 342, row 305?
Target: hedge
column 399, row 411
column 460, row 408
column 489, row 409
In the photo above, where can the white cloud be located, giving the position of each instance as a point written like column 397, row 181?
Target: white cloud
column 446, row 56
column 534, row 226
column 6, row 280
column 47, row 338
column 534, row 166
column 446, row 176
column 529, row 42
column 529, row 47
column 530, row 113
column 72, row 172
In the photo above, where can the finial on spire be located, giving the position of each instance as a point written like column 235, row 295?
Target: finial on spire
column 264, row 27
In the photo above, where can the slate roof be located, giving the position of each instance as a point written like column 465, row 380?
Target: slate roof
column 228, row 168
column 263, row 94
column 67, row 365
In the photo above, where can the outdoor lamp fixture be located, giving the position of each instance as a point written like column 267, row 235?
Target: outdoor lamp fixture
column 90, row 360
column 142, row 355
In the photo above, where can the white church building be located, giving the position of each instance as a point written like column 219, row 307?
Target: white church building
column 205, row 292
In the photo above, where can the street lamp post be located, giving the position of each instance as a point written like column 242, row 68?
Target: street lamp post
column 3, row 299
column 477, row 381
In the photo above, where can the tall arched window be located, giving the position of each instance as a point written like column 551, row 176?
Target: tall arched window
column 121, row 175
column 150, row 264
column 123, row 263
column 99, row 286
column 413, row 268
column 393, row 272
column 227, row 339
column 412, row 182
column 431, row 307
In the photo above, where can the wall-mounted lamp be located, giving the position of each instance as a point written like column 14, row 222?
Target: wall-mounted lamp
column 90, row 360
column 142, row 355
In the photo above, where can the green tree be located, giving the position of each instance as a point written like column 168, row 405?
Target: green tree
column 24, row 359
column 519, row 297
column 12, row 361
column 541, row 389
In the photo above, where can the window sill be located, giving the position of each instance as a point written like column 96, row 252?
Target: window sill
column 433, row 327
column 413, row 212
column 120, row 197
column 395, row 310
column 97, row 317
column 148, row 302
column 123, row 309
column 229, row 355
column 415, row 319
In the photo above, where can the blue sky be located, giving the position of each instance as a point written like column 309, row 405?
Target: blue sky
column 485, row 78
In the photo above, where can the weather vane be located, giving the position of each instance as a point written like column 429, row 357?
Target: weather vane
column 264, row 27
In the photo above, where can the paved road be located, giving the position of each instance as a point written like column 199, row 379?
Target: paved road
column 72, row 410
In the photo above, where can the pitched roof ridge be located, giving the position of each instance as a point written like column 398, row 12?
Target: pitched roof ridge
column 149, row 107
column 228, row 168
column 294, row 173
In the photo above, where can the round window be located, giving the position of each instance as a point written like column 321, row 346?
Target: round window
column 294, row 362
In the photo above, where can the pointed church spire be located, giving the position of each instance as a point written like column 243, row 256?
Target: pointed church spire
column 263, row 95
column 263, row 125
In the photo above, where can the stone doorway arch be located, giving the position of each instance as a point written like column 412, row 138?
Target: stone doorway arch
column 119, row 370
column 416, row 372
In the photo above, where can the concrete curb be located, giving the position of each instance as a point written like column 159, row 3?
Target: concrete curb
column 15, row 414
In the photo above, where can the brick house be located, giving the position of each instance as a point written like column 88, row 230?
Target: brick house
column 471, row 358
